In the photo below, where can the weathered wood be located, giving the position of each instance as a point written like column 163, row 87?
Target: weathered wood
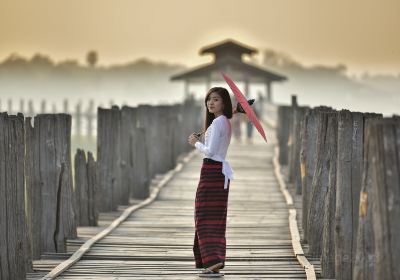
column 81, row 189
column 147, row 121
column 141, row 171
column 307, row 162
column 292, row 132
column 85, row 189
column 13, row 239
column 109, row 157
column 156, row 241
column 328, row 244
column 178, row 143
column 364, row 264
column 62, row 267
column 52, row 178
column 33, row 189
column 128, row 129
column 325, row 157
column 298, row 119
column 284, row 119
column 165, row 128
column 348, row 186
column 94, row 194
column 385, row 150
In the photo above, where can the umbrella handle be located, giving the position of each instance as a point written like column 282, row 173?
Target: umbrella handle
column 239, row 107
column 199, row 134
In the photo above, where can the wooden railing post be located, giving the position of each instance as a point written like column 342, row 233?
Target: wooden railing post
column 109, row 157
column 283, row 127
column 328, row 222
column 141, row 171
column 348, row 186
column 323, row 180
column 128, row 151
column 14, row 252
column 49, row 182
column 85, row 189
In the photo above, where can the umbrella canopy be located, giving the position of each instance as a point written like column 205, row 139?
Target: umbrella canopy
column 245, row 105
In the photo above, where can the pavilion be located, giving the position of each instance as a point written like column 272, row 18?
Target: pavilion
column 228, row 58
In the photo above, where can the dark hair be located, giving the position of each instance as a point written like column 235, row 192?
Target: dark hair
column 226, row 99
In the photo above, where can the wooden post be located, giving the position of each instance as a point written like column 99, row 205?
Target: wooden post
column 33, row 189
column 90, row 117
column 109, row 157
column 128, row 130
column 21, row 105
column 364, row 265
column 385, row 155
column 348, row 186
column 325, row 157
column 292, row 129
column 147, row 119
column 307, row 159
column 10, row 102
column 94, row 194
column 78, row 119
column 284, row 119
column 31, row 111
column 49, row 174
column 328, row 243
column 308, row 152
column 298, row 119
column 141, row 170
column 178, row 143
column 14, row 253
column 43, row 106
column 85, row 189
column 65, row 106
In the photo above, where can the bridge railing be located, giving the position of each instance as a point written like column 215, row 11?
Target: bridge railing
column 44, row 197
column 346, row 168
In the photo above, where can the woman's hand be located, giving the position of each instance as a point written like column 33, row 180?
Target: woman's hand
column 192, row 139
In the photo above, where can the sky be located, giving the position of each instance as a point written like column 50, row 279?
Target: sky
column 363, row 34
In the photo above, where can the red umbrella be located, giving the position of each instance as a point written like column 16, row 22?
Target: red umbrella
column 245, row 105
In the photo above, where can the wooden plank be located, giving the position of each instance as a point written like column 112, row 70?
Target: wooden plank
column 294, row 231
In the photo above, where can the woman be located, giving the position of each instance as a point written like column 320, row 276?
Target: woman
column 212, row 191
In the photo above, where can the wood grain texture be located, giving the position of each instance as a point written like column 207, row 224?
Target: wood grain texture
column 14, row 260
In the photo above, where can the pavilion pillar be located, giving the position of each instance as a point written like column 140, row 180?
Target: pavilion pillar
column 268, row 91
column 208, row 82
column 246, row 87
column 186, row 85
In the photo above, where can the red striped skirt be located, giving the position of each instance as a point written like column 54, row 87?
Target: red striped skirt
column 211, row 206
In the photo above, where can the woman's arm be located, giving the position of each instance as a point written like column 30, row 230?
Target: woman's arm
column 213, row 144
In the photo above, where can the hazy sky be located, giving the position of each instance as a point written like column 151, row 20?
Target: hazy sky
column 364, row 34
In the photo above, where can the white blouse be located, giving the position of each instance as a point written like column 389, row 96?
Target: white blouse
column 217, row 140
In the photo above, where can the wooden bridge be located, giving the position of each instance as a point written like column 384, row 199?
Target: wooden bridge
column 319, row 200
column 155, row 242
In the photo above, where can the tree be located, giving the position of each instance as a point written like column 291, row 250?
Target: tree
column 92, row 58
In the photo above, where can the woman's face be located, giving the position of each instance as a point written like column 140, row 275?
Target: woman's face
column 215, row 104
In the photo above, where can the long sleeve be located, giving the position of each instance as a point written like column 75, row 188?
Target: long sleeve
column 214, row 139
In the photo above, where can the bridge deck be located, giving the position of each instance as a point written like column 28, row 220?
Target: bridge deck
column 155, row 242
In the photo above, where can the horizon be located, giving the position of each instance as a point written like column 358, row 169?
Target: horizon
column 361, row 35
